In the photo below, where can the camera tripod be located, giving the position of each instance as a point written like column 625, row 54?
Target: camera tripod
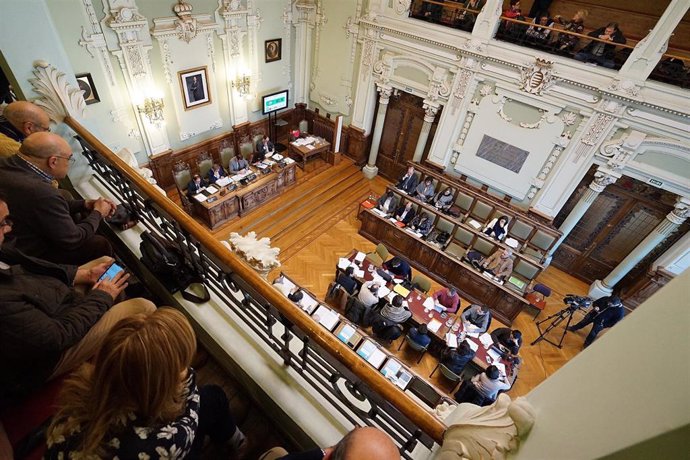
column 558, row 318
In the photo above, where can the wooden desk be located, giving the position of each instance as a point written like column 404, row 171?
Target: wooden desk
column 443, row 267
column 244, row 199
column 304, row 152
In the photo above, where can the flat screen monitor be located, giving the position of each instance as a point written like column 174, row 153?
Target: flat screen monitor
column 274, row 102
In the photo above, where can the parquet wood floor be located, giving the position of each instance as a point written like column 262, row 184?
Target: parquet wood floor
column 315, row 222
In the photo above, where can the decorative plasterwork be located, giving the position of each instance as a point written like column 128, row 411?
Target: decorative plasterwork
column 537, row 78
column 602, row 179
column 569, row 118
column 680, row 211
column 57, row 97
column 626, row 87
column 637, row 113
column 95, row 43
column 185, row 24
column 402, row 7
column 184, row 135
column 320, row 20
column 596, row 128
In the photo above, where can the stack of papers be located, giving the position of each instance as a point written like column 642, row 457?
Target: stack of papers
column 277, row 157
column 474, row 334
column 473, row 345
column 486, row 340
column 379, row 212
column 383, row 291
column 211, row 189
column 397, row 374
column 371, row 353
column 289, row 161
column 428, row 303
column 223, row 181
column 475, row 224
column 451, row 340
column 359, row 273
column 360, row 257
column 401, row 290
column 434, row 325
column 200, row 197
column 307, row 303
column 326, row 317
column 495, row 356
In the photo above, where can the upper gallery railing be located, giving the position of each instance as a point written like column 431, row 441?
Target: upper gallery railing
column 328, row 366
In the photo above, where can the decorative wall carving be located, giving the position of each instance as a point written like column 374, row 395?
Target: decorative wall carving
column 596, row 128
column 537, row 78
column 569, row 118
column 257, row 252
column 402, row 7
column 95, row 43
column 57, row 97
column 185, row 25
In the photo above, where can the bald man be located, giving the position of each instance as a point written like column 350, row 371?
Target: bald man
column 45, row 225
column 18, row 120
column 358, row 444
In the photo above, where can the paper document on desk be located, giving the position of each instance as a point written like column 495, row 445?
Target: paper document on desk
column 383, row 292
column 277, row 157
column 200, row 197
column 501, row 368
column 310, row 147
column 486, row 340
column 308, row 303
column 473, row 345
column 495, row 356
column 289, row 161
column 434, row 325
column 343, row 263
column 398, row 280
column 288, row 283
column 428, row 303
column 474, row 223
column 360, row 257
column 391, row 295
column 376, row 358
column 359, row 273
column 401, row 290
column 474, row 334
column 346, row 333
column 379, row 212
column 326, row 317
column 451, row 340
column 223, row 181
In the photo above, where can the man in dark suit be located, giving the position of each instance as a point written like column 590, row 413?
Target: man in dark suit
column 405, row 214
column 195, row 186
column 216, row 172
column 263, row 147
column 347, row 280
column 599, row 52
column 408, row 181
column 399, row 267
column 606, row 312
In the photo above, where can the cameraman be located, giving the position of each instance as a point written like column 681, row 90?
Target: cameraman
column 607, row 311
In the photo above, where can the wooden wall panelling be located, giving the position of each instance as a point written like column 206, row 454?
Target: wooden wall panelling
column 645, row 287
column 358, row 145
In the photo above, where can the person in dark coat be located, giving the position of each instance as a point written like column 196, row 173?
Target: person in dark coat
column 606, row 312
column 599, row 52
column 405, row 214
column 399, row 267
column 420, row 335
column 456, row 360
column 408, row 181
column 347, row 280
column 507, row 339
column 216, row 172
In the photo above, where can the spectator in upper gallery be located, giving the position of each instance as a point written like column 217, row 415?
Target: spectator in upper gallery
column 507, row 339
column 499, row 264
column 476, row 319
column 538, row 34
column 456, row 360
column 602, row 52
column 448, row 299
column 18, row 120
column 47, row 223
column 396, row 311
column 466, row 19
column 263, row 147
column 408, row 181
column 399, row 267
column 423, row 224
column 387, row 203
column 513, row 12
column 194, row 186
column 497, row 228
column 566, row 43
column 347, row 280
column 420, row 335
column 238, row 164
column 368, row 294
column 539, row 7
column 405, row 214
column 443, row 200
column 216, row 172
column 433, row 11
column 424, row 191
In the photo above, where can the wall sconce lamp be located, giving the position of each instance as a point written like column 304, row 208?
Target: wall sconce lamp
column 153, row 109
column 242, row 84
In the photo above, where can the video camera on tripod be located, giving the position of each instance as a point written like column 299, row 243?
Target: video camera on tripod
column 576, row 302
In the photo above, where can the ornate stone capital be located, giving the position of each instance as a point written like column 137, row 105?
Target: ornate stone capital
column 384, row 92
column 430, row 111
column 603, row 179
column 680, row 211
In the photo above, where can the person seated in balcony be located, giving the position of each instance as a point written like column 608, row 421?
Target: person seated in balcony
column 483, row 388
column 443, row 200
column 456, row 360
column 48, row 224
column 499, row 264
column 476, row 319
column 539, row 34
column 216, row 172
column 347, row 280
column 263, row 148
column 467, row 17
column 387, row 203
column 195, row 186
column 139, row 398
column 18, row 120
column 507, row 339
column 396, row 311
column 433, row 12
column 405, row 214
column 510, row 29
column 513, row 11
column 360, row 443
column 420, row 335
column 399, row 267
column 422, row 224
column 238, row 165
column 368, row 294
column 424, row 191
column 497, row 228
column 565, row 43
column 447, row 299
column 602, row 51
column 54, row 317
column 408, row 181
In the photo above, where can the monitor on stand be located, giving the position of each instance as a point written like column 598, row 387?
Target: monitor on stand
column 271, row 104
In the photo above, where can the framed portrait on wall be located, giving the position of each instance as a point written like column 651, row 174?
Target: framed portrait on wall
column 194, row 87
column 273, row 49
column 85, row 83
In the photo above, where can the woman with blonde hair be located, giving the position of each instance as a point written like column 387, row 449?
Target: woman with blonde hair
column 139, row 398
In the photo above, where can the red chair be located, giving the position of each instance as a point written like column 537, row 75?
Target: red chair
column 537, row 297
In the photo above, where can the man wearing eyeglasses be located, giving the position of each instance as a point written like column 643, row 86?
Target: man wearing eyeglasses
column 44, row 219
column 18, row 120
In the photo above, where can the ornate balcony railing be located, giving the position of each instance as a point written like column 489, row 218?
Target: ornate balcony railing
column 328, row 367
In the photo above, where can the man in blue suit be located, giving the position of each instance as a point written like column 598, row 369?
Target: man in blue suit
column 399, row 267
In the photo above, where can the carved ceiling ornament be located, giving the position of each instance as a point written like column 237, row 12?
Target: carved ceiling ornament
column 569, row 118
column 538, row 77
column 596, row 128
column 185, row 25
column 626, row 87
column 57, row 97
column 402, row 7
column 231, row 5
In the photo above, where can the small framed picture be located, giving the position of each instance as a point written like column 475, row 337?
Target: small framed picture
column 86, row 84
column 194, row 87
column 273, row 49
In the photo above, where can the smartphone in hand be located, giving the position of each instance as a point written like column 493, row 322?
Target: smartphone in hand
column 111, row 272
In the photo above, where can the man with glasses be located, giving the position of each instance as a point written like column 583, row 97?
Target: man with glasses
column 18, row 120
column 44, row 219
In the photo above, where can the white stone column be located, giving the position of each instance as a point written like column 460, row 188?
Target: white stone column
column 304, row 19
column 488, row 20
column 602, row 178
column 370, row 170
column 651, row 49
column 430, row 111
column 234, row 33
column 602, row 288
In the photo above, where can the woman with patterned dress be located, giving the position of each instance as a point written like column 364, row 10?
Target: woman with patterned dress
column 139, row 399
